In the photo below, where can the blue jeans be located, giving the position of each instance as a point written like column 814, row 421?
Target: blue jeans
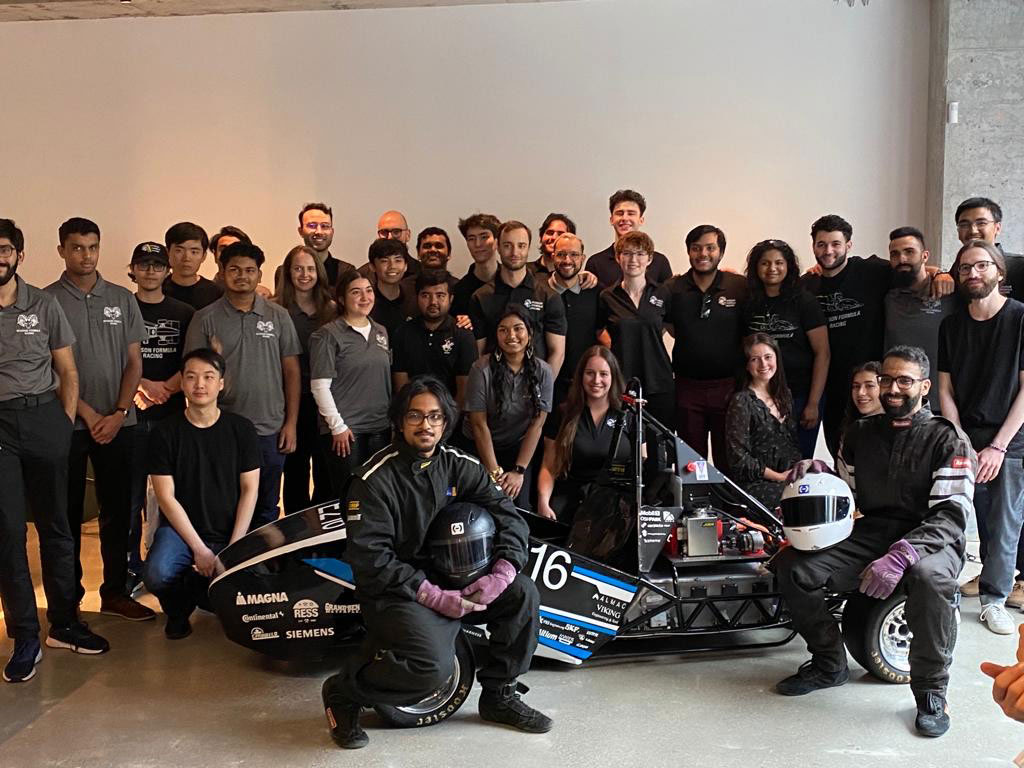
column 999, row 504
column 269, row 495
column 169, row 574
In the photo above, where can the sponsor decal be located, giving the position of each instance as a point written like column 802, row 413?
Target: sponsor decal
column 724, row 301
column 306, row 610
column 28, row 324
column 353, row 506
column 251, row 617
column 804, row 489
column 265, row 329
column 960, row 462
column 657, row 302
column 458, row 529
column 342, row 608
column 448, row 345
column 302, row 634
column 261, row 599
column 257, row 633
column 112, row 315
column 332, row 517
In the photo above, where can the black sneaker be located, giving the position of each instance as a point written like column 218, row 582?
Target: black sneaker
column 343, row 719
column 77, row 637
column 177, row 628
column 22, row 664
column 932, row 714
column 504, row 706
column 811, row 678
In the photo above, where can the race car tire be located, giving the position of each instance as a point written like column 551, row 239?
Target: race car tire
column 444, row 702
column 877, row 636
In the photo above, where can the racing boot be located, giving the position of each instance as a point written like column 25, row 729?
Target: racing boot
column 810, row 678
column 503, row 705
column 932, row 714
column 343, row 719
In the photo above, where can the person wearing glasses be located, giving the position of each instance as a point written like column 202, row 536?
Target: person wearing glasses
column 981, row 369
column 704, row 312
column 392, row 225
column 780, row 307
column 553, row 227
column 979, row 218
column 411, row 623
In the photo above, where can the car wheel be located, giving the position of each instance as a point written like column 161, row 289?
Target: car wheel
column 877, row 636
column 442, row 703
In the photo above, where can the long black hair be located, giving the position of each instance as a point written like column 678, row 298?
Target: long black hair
column 851, row 414
column 501, row 374
column 790, row 283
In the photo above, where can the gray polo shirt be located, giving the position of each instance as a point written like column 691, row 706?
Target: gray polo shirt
column 254, row 344
column 360, row 373
column 508, row 428
column 30, row 329
column 914, row 318
column 105, row 321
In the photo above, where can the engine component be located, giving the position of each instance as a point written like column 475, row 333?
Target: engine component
column 744, row 542
column 702, row 534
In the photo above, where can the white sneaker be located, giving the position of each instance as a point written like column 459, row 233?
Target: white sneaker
column 971, row 588
column 1016, row 598
column 997, row 619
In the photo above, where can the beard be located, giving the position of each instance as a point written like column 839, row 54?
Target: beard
column 904, row 278
column 9, row 273
column 979, row 290
column 906, row 406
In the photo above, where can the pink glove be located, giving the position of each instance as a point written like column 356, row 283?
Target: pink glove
column 486, row 589
column 447, row 602
column 881, row 576
column 801, row 468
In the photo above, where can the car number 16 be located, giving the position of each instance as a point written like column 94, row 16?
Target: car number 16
column 553, row 572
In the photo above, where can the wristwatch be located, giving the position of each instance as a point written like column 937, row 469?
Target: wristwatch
column 123, row 411
column 519, row 468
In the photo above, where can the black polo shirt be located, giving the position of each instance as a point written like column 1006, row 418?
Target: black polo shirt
column 608, row 271
column 543, row 305
column 1013, row 286
column 463, row 292
column 592, row 443
column 708, row 326
column 582, row 311
column 637, row 336
column 447, row 352
column 391, row 313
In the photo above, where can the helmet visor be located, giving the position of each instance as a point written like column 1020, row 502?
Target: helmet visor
column 464, row 555
column 803, row 511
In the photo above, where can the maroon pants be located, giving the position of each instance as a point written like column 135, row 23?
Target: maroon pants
column 700, row 412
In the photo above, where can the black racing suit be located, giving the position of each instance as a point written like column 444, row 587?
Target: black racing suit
column 913, row 479
column 409, row 649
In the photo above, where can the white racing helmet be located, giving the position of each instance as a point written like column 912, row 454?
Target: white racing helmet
column 817, row 511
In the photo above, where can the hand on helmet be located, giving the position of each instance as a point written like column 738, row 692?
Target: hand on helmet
column 488, row 588
column 801, row 468
column 447, row 602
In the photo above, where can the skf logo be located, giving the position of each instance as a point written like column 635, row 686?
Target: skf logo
column 458, row 529
column 804, row 489
column 960, row 462
column 112, row 315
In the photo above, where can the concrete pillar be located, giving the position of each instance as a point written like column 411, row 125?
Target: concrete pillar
column 977, row 60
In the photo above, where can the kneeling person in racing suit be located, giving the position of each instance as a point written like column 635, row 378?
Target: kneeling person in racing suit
column 412, row 624
column 912, row 474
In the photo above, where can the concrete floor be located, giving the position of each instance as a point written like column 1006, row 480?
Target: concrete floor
column 206, row 702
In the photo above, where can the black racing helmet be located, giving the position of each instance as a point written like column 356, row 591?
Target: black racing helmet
column 460, row 543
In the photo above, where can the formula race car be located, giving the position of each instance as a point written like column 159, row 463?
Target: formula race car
column 666, row 556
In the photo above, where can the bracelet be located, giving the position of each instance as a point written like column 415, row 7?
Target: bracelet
column 995, row 447
column 496, row 473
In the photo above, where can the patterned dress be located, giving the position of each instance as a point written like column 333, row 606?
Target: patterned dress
column 755, row 439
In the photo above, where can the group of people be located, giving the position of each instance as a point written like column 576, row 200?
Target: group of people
column 216, row 393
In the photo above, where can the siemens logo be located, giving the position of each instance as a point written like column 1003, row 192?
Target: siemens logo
column 301, row 634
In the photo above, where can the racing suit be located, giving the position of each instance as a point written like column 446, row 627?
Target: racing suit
column 409, row 649
column 913, row 479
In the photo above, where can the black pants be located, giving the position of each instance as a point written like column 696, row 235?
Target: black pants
column 111, row 464
column 930, row 586
column 341, row 468
column 297, row 464
column 836, row 396
column 409, row 648
column 34, row 444
column 140, row 476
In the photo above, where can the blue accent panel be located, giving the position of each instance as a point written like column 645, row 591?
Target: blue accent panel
column 569, row 649
column 585, row 625
column 605, row 579
column 332, row 566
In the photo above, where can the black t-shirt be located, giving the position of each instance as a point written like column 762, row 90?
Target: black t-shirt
column 708, row 325
column 205, row 465
column 446, row 352
column 637, row 336
column 787, row 320
column 608, row 272
column 1013, row 286
column 592, row 443
column 582, row 311
column 304, row 327
column 854, row 305
column 463, row 292
column 199, row 295
column 984, row 359
column 166, row 325
column 392, row 313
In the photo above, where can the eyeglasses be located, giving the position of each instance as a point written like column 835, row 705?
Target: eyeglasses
column 981, row 266
column 6, row 250
column 434, row 418
column 324, row 226
column 393, row 233
column 149, row 266
column 705, row 307
column 634, row 254
column 903, row 382
column 979, row 224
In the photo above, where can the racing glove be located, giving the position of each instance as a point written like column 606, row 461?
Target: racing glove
column 487, row 589
column 881, row 576
column 447, row 602
column 804, row 466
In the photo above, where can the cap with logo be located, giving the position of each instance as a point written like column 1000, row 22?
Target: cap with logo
column 150, row 252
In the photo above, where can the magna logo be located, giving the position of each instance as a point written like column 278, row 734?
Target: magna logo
column 302, row 634
column 306, row 609
column 342, row 608
column 258, row 634
column 263, row 599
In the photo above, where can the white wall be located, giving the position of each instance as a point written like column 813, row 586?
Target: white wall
column 757, row 115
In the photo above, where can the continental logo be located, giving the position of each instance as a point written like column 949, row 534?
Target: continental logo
column 250, row 617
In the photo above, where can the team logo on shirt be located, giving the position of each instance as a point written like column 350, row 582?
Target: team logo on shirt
column 931, row 307
column 725, row 301
column 382, row 341
column 448, row 345
column 839, row 309
column 610, row 421
column 265, row 329
column 533, row 304
column 28, row 324
column 112, row 315
column 163, row 333
column 657, row 302
column 771, row 323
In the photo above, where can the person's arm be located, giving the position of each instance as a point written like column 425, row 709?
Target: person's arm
column 205, row 558
column 556, row 350
column 556, row 325
column 105, row 428
column 818, row 338
column 546, row 480
column 341, row 435
column 399, row 379
column 479, row 321
column 1008, row 682
column 67, row 372
column 249, row 486
column 460, row 392
column 946, row 400
column 482, row 439
column 292, row 375
column 512, row 481
column 990, row 458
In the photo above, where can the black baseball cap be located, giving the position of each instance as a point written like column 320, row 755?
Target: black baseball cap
column 150, row 252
